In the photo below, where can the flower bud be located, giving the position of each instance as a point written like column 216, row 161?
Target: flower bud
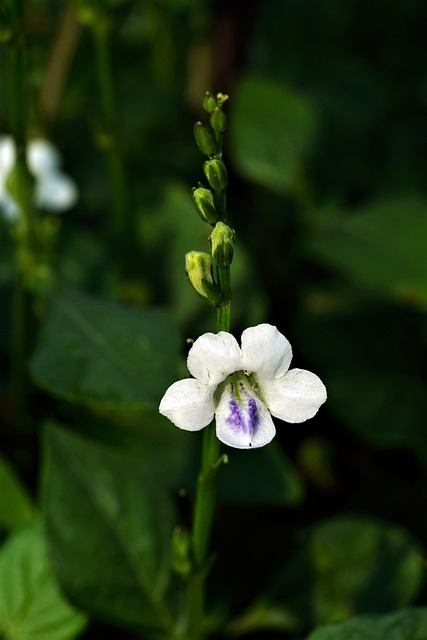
column 205, row 139
column 205, row 206
column 221, row 98
column 222, row 243
column 216, row 174
column 218, row 120
column 209, row 102
column 181, row 563
column 199, row 272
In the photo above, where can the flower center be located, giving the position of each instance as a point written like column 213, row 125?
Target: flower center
column 243, row 401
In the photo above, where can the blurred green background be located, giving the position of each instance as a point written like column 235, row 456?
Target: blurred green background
column 327, row 192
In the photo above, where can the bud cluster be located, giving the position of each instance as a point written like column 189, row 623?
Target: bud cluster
column 206, row 272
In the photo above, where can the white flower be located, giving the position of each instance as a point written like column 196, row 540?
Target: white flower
column 54, row 191
column 242, row 386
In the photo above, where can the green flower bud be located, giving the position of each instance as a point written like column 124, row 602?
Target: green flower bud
column 218, row 120
column 222, row 243
column 181, row 563
column 221, row 98
column 205, row 139
column 204, row 202
column 199, row 272
column 216, row 174
column 209, row 102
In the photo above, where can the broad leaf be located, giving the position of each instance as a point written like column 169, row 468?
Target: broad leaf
column 272, row 131
column 171, row 457
column 97, row 351
column 16, row 505
column 109, row 530
column 349, row 565
column 382, row 247
column 409, row 624
column 363, row 565
column 372, row 365
column 32, row 606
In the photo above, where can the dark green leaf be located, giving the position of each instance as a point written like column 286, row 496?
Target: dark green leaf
column 109, row 530
column 381, row 247
column 371, row 362
column 158, row 446
column 16, row 505
column 92, row 350
column 277, row 481
column 349, row 565
column 363, row 565
column 409, row 624
column 272, row 131
column 32, row 606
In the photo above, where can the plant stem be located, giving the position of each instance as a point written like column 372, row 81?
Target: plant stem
column 21, row 303
column 20, row 346
column 204, row 511
column 121, row 223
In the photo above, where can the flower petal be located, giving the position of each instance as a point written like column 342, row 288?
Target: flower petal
column 9, row 210
column 7, row 160
column 243, row 422
column 296, row 396
column 213, row 357
column 55, row 192
column 188, row 404
column 42, row 157
column 265, row 351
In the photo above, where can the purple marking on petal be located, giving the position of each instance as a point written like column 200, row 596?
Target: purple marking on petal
column 253, row 416
column 236, row 418
column 244, row 418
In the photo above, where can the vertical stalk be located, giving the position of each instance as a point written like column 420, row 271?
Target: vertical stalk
column 121, row 223
column 204, row 510
column 21, row 304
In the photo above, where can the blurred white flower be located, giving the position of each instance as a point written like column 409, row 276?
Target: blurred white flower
column 54, row 191
column 242, row 386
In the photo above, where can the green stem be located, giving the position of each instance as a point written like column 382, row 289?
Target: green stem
column 204, row 512
column 121, row 223
column 21, row 303
column 20, row 346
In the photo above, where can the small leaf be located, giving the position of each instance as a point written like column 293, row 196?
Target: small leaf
column 409, row 624
column 109, row 529
column 101, row 352
column 272, row 132
column 32, row 606
column 16, row 505
column 382, row 247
